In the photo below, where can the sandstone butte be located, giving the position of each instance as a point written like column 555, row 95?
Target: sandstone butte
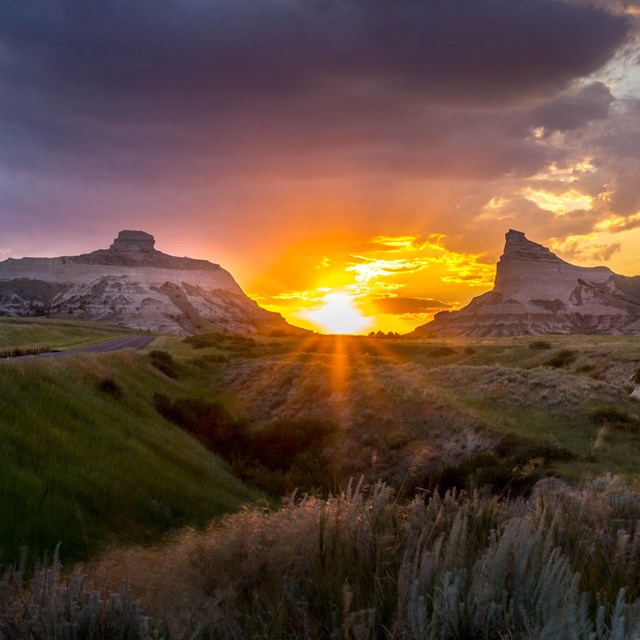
column 133, row 284
column 536, row 293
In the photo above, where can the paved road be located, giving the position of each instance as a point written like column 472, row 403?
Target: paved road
column 127, row 342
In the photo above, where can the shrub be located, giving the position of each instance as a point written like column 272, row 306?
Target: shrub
column 515, row 465
column 210, row 422
column 362, row 565
column 615, row 418
column 205, row 340
column 585, row 368
column 469, row 351
column 636, row 376
column 110, row 387
column 280, row 457
column 163, row 361
column 561, row 359
column 539, row 345
column 398, row 439
column 50, row 607
column 609, row 414
column 441, row 352
column 203, row 362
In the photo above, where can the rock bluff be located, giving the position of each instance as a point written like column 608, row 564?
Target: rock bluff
column 535, row 292
column 133, row 284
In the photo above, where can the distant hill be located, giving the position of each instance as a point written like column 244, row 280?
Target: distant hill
column 134, row 284
column 535, row 292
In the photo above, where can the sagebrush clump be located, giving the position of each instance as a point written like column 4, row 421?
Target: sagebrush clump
column 362, row 564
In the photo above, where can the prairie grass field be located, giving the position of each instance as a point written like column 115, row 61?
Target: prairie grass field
column 322, row 487
column 362, row 564
column 56, row 334
column 87, row 461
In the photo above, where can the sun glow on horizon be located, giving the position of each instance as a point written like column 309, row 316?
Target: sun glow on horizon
column 388, row 283
column 338, row 314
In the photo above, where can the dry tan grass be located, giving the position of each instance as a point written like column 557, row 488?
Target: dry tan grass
column 362, row 565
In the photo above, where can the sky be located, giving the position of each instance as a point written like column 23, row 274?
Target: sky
column 354, row 164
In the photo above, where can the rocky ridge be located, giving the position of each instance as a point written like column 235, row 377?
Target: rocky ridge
column 133, row 284
column 536, row 292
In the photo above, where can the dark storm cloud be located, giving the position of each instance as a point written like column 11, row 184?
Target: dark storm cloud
column 203, row 56
column 124, row 89
column 574, row 109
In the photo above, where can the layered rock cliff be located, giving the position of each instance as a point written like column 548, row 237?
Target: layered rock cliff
column 535, row 292
column 134, row 284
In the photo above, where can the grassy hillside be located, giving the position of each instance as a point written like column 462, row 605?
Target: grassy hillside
column 56, row 334
column 86, row 460
column 410, row 410
column 87, row 457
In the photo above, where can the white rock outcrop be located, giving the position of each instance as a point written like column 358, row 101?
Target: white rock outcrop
column 535, row 292
column 133, row 284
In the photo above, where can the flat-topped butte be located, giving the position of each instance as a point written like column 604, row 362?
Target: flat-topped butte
column 133, row 284
column 536, row 292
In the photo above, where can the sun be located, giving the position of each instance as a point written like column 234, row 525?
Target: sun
column 339, row 314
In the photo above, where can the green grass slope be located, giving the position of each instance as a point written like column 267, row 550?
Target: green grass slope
column 86, row 460
column 56, row 334
column 409, row 409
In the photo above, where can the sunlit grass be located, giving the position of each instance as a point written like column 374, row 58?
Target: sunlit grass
column 436, row 391
column 57, row 334
column 86, row 460
column 363, row 564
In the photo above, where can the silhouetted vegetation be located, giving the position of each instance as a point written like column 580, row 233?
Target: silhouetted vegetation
column 382, row 335
column 398, row 439
column 441, row 352
column 163, row 361
column 540, row 345
column 280, row 457
column 615, row 418
column 110, row 387
column 563, row 358
column 210, row 422
column 362, row 564
column 514, row 465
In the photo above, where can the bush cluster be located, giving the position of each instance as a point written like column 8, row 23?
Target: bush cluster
column 441, row 352
column 163, row 361
column 110, row 387
column 514, row 466
column 362, row 565
column 615, row 418
column 277, row 458
column 561, row 359
column 539, row 345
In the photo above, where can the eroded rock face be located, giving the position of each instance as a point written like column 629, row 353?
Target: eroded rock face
column 535, row 292
column 133, row 242
column 134, row 284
